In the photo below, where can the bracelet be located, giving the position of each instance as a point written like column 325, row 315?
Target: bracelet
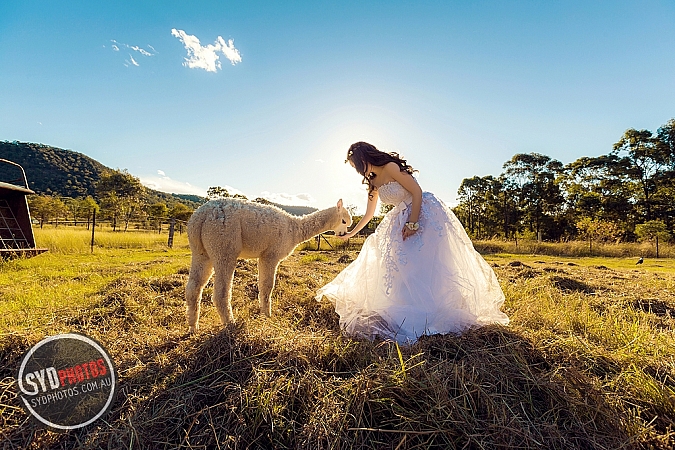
column 412, row 226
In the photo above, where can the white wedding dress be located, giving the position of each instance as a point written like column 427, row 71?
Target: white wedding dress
column 433, row 282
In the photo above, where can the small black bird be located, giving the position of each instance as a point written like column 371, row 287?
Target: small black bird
column 640, row 261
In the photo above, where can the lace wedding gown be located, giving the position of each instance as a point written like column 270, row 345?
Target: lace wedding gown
column 433, row 282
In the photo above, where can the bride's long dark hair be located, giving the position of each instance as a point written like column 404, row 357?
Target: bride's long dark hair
column 362, row 153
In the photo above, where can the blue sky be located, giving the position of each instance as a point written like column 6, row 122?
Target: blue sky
column 456, row 87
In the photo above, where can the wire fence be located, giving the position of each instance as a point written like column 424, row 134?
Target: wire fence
column 160, row 225
column 173, row 227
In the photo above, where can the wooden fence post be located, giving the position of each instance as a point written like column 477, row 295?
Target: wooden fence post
column 93, row 229
column 172, row 226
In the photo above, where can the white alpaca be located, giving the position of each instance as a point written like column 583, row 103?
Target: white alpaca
column 220, row 231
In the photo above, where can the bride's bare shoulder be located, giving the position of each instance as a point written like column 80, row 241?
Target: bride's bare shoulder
column 391, row 168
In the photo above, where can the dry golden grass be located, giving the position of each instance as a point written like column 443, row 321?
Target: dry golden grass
column 588, row 362
column 576, row 248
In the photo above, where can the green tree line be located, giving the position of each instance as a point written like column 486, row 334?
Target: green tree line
column 120, row 199
column 625, row 195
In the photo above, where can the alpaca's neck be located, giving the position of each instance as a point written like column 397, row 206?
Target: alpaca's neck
column 315, row 223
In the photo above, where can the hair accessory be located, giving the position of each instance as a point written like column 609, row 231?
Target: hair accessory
column 412, row 226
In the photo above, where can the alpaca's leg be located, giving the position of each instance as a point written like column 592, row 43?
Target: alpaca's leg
column 222, row 287
column 200, row 272
column 267, row 270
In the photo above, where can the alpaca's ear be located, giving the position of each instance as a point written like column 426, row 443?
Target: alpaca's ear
column 339, row 205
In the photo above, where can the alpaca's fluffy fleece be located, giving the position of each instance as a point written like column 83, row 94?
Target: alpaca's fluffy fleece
column 220, row 231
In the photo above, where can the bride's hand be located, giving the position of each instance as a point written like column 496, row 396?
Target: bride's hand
column 344, row 237
column 407, row 232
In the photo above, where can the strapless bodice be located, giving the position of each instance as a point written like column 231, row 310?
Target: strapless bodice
column 393, row 193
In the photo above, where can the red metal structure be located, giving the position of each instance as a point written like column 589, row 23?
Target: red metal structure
column 16, row 231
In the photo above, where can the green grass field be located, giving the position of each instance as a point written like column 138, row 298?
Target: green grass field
column 587, row 362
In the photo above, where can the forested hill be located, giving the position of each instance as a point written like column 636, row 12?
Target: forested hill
column 51, row 170
column 66, row 173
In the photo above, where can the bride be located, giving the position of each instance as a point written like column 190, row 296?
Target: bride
column 418, row 273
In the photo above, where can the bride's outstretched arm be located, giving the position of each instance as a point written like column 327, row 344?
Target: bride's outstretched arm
column 370, row 212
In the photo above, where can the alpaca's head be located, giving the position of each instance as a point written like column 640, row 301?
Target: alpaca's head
column 343, row 220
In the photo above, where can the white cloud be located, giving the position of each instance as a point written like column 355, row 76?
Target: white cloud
column 140, row 50
column 229, row 51
column 132, row 61
column 165, row 184
column 234, row 191
column 302, row 199
column 161, row 182
column 206, row 57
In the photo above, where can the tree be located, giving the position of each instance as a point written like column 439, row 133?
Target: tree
column 41, row 208
column 46, row 208
column 215, row 192
column 157, row 213
column 654, row 230
column 60, row 209
column 264, row 201
column 645, row 159
column 499, row 209
column 599, row 188
column 86, row 208
column 120, row 194
column 489, row 206
column 71, row 207
column 666, row 141
column 597, row 230
column 158, row 210
column 180, row 211
column 534, row 175
column 473, row 196
column 634, row 183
